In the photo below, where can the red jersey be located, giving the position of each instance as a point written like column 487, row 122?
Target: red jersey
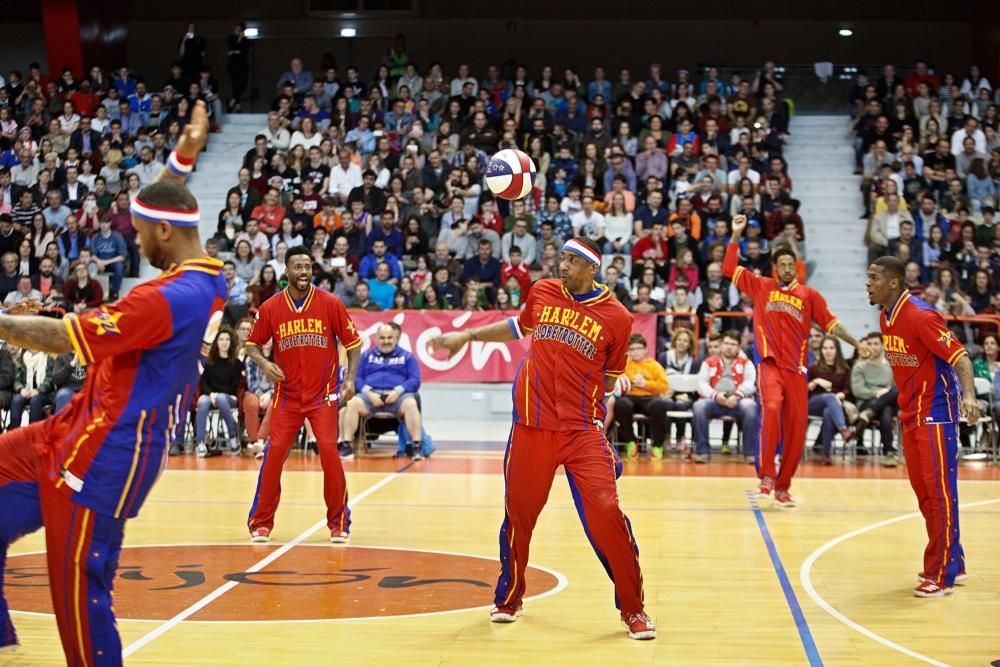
column 305, row 339
column 922, row 352
column 782, row 316
column 575, row 342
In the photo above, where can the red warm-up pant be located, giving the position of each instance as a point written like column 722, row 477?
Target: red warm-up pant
column 592, row 468
column 286, row 420
column 783, row 396
column 932, row 464
column 82, row 549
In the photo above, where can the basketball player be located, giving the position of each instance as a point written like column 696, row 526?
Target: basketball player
column 783, row 313
column 928, row 365
column 84, row 471
column 578, row 350
column 305, row 324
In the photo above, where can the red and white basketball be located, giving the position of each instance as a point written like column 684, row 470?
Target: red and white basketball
column 510, row 174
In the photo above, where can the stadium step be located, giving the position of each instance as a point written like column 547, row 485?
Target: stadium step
column 820, row 154
column 216, row 172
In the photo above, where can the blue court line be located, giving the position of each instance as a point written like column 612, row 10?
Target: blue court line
column 786, row 586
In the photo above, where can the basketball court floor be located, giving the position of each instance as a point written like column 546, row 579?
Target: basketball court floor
column 728, row 583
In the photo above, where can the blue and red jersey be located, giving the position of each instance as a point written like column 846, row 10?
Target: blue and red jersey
column 111, row 440
column 305, row 338
column 922, row 352
column 782, row 314
column 576, row 340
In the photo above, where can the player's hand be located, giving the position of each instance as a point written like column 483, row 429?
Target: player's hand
column 346, row 391
column 392, row 397
column 970, row 409
column 195, row 133
column 375, row 399
column 739, row 224
column 453, row 342
column 26, row 307
column 273, row 372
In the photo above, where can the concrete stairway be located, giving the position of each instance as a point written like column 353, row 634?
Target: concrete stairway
column 216, row 172
column 821, row 163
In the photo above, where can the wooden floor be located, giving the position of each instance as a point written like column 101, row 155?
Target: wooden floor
column 827, row 583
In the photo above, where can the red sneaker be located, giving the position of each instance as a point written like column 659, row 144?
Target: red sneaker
column 339, row 536
column 929, row 589
column 784, row 499
column 766, row 488
column 639, row 625
column 505, row 613
column 260, row 535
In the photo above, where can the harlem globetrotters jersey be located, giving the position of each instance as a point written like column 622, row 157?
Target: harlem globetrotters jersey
column 143, row 352
column 782, row 315
column 922, row 352
column 305, row 336
column 576, row 340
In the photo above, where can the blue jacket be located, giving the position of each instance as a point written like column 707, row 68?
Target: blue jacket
column 370, row 262
column 379, row 372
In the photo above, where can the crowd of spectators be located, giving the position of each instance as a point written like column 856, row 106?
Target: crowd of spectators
column 383, row 179
column 928, row 148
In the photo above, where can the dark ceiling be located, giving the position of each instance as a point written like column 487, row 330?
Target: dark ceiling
column 740, row 10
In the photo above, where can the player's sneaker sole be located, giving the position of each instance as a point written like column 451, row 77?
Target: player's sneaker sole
column 339, row 539
column 9, row 648
column 498, row 615
column 645, row 634
column 260, row 538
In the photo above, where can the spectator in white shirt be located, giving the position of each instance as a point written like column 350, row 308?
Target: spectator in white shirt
column 147, row 170
column 344, row 177
column 742, row 171
column 588, row 222
column 278, row 137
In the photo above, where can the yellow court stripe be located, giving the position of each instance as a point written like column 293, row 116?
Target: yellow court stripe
column 77, row 612
column 135, row 461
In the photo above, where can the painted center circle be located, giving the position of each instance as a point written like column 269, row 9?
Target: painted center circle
column 309, row 582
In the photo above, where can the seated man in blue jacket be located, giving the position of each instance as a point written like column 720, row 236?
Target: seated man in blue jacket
column 387, row 382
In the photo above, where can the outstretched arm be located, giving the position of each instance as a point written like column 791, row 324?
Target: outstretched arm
column 46, row 334
column 498, row 332
column 841, row 332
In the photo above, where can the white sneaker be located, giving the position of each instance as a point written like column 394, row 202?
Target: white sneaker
column 201, row 451
column 339, row 537
column 260, row 535
column 505, row 614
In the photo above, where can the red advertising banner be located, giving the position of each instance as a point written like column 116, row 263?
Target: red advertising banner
column 477, row 362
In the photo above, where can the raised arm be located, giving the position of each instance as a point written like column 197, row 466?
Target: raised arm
column 180, row 164
column 744, row 280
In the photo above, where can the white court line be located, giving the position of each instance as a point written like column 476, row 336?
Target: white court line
column 805, row 574
column 256, row 567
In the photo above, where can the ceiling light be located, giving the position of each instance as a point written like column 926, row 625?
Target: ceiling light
column 348, row 32
column 251, row 33
column 845, row 32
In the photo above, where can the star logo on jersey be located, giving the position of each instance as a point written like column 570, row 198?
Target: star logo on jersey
column 106, row 323
column 946, row 337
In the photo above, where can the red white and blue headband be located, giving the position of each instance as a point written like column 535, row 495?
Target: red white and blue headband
column 176, row 217
column 580, row 249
